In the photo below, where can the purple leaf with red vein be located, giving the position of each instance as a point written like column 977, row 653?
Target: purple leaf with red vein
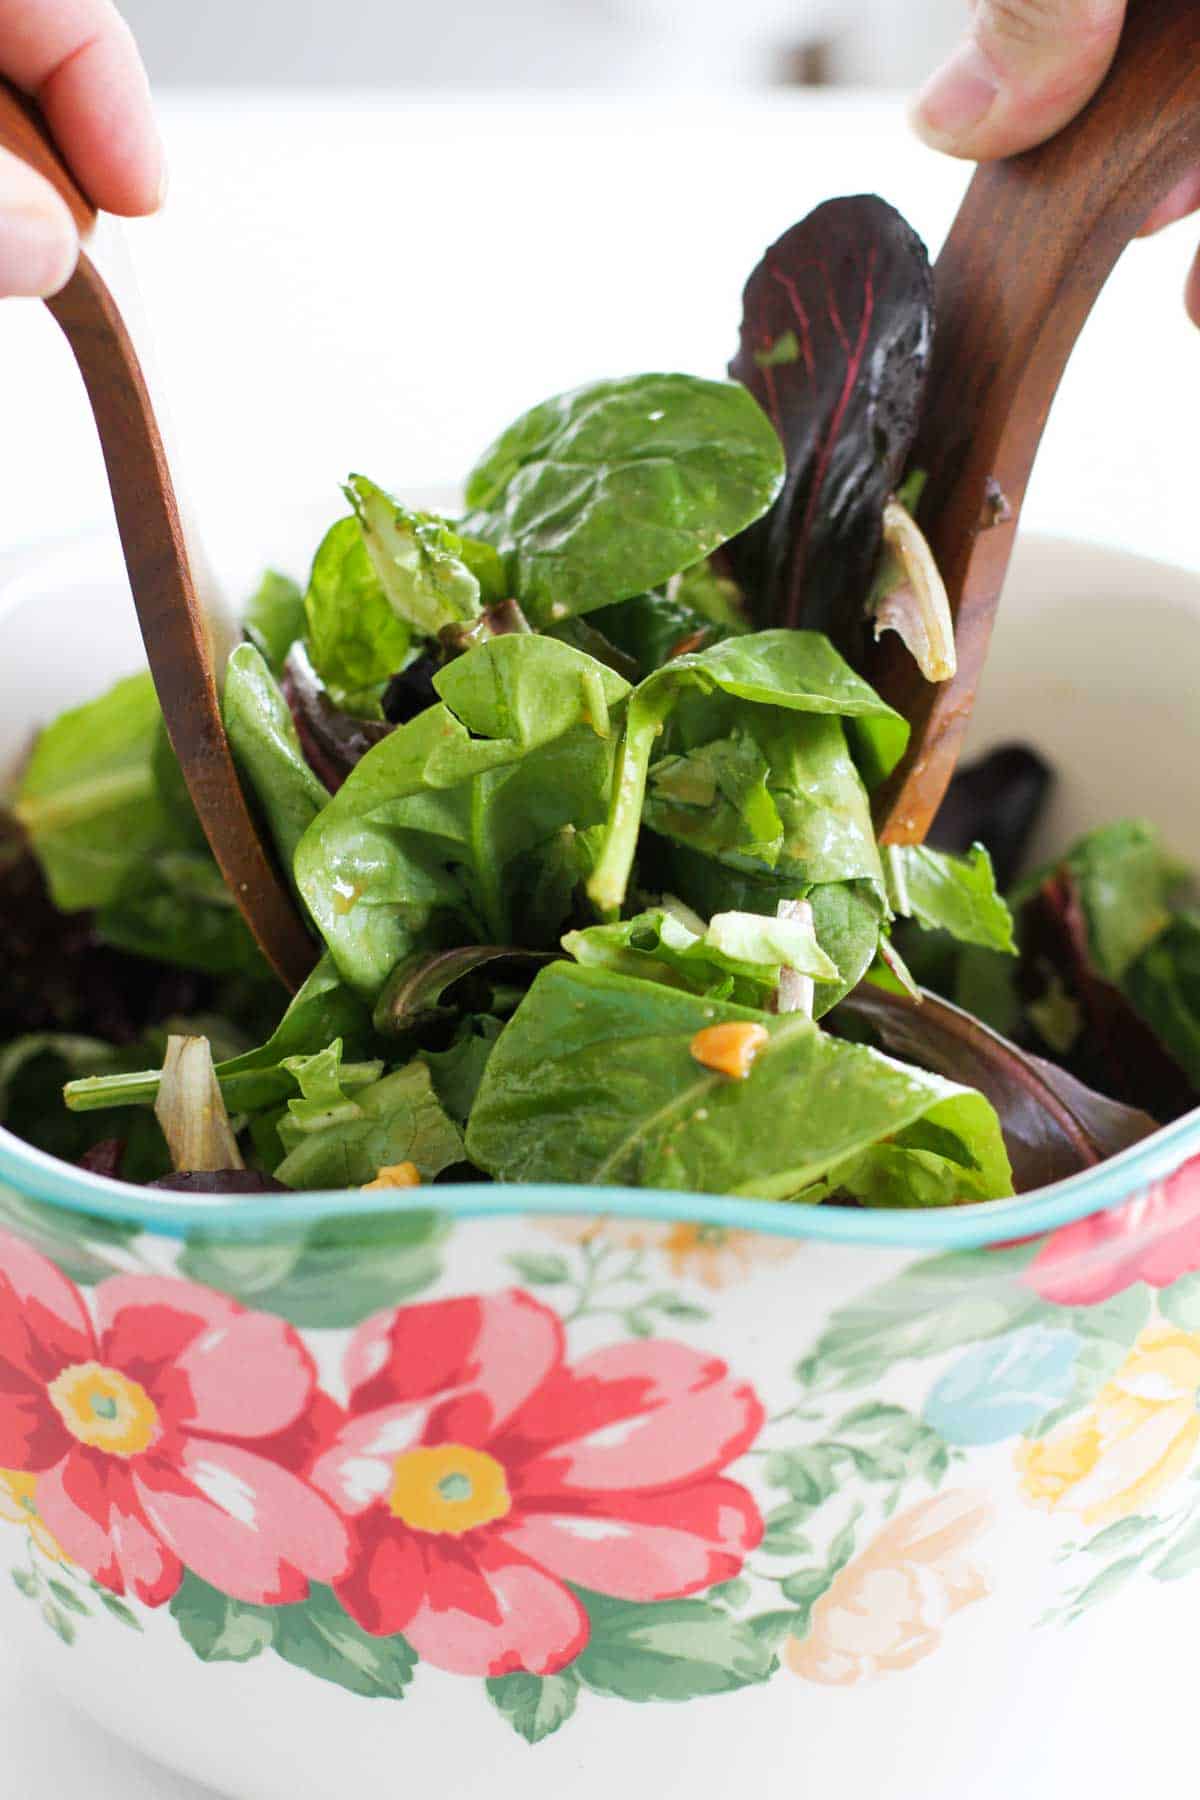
column 836, row 339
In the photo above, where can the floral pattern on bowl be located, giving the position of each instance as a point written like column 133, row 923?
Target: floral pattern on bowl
column 559, row 1489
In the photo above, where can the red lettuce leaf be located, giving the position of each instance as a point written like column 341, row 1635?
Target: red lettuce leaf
column 836, row 339
column 333, row 742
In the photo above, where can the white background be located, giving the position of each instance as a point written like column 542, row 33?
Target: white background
column 348, row 283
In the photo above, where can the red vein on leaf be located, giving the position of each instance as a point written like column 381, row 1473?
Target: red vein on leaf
column 853, row 368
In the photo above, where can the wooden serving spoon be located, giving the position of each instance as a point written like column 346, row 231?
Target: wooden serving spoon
column 1034, row 241
column 172, row 624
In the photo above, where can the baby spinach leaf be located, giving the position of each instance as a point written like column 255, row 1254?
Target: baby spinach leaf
column 275, row 618
column 436, row 824
column 1124, row 879
column 608, row 491
column 737, row 956
column 418, row 559
column 951, row 893
column 89, row 799
column 837, row 331
column 728, row 749
column 397, row 1119
column 1053, row 1126
column 178, row 910
column 593, row 1080
column 356, row 638
column 267, row 750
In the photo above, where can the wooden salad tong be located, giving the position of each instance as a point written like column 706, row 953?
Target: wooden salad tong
column 1035, row 239
column 164, row 593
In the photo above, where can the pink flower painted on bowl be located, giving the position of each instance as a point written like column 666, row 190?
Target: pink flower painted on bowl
column 1153, row 1238
column 888, row 1608
column 716, row 1256
column 483, row 1474
column 165, row 1436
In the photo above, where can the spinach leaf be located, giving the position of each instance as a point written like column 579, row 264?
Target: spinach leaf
column 608, row 491
column 1053, row 1126
column 394, row 1120
column 89, row 799
column 275, row 618
column 356, row 638
column 419, row 560
column 696, row 609
column 836, row 337
column 267, row 751
column 1125, row 880
column 178, row 910
column 738, row 956
column 728, row 749
column 951, row 893
column 446, row 819
column 1164, row 986
column 594, row 1080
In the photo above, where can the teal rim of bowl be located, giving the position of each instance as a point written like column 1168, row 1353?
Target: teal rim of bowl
column 37, row 1176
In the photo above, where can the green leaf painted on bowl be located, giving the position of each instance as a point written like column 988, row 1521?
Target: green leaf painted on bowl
column 672, row 1650
column 335, row 1275
column 535, row 1705
column 318, row 1636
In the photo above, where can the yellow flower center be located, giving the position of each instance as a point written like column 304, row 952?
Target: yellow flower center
column 104, row 1409
column 448, row 1488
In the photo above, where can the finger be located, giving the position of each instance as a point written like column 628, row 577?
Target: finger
column 1192, row 292
column 1179, row 203
column 1027, row 67
column 79, row 60
column 38, row 241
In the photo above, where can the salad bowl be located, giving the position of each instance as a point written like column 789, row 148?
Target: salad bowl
column 581, row 1487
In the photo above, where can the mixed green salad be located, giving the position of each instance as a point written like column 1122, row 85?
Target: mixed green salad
column 575, row 792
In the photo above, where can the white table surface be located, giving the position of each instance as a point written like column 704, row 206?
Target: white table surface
column 380, row 285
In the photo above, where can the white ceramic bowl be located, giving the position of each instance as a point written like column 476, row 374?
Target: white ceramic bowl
column 314, row 1496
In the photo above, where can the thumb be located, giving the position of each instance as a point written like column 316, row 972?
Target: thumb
column 1024, row 70
column 38, row 241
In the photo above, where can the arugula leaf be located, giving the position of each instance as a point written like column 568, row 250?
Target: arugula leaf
column 1164, row 986
column 836, row 337
column 322, row 1010
column 356, row 638
column 609, row 490
column 447, row 818
column 275, row 618
column 394, row 1120
column 593, row 1080
column 737, row 956
column 267, row 750
column 769, row 704
column 420, row 561
column 951, row 893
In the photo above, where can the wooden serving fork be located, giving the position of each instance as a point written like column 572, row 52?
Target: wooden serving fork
column 156, row 557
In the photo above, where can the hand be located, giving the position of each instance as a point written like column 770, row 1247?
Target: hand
column 77, row 58
column 1025, row 68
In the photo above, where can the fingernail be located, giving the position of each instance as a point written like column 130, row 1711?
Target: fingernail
column 957, row 98
column 37, row 254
